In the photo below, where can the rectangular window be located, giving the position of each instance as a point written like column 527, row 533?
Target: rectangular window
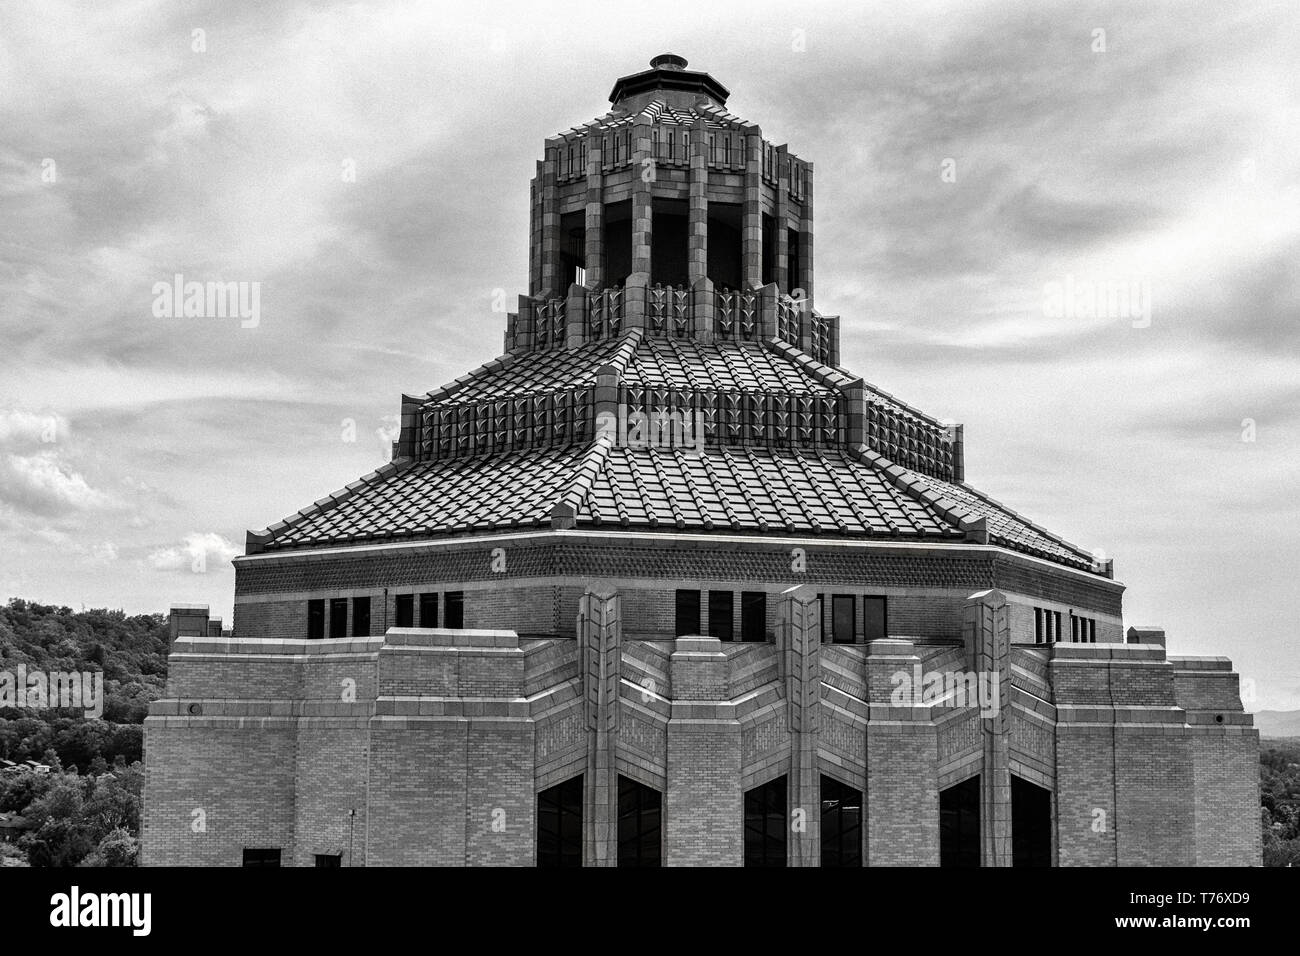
column 721, row 605
column 454, row 610
column 330, row 860
column 559, row 824
column 640, row 815
column 841, row 824
column 753, row 616
column 316, row 619
column 687, row 612
column 875, row 613
column 766, row 824
column 842, row 614
column 361, row 617
column 404, row 608
column 1047, row 626
column 261, row 857
column 338, row 617
column 429, row 610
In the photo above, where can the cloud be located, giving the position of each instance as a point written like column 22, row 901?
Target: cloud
column 199, row 553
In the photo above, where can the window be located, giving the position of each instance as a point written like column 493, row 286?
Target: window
column 724, row 263
column 329, row 860
column 429, row 610
column 842, row 614
column 316, row 619
column 875, row 614
column 688, row 613
column 454, row 610
column 405, row 610
column 559, row 824
column 959, row 824
column 361, row 617
column 640, row 815
column 841, row 824
column 261, row 857
column 1031, row 824
column 720, row 615
column 765, row 824
column 1083, row 630
column 338, row 617
column 753, row 616
column 1047, row 626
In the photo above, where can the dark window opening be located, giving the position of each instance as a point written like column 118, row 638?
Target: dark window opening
column 404, row 610
column 843, row 611
column 559, row 824
column 724, row 259
column 669, row 233
column 261, row 857
column 959, row 824
column 841, row 824
column 640, row 818
column 329, row 860
column 753, row 616
column 618, row 242
column 1031, row 824
column 361, row 617
column 765, row 824
column 688, row 613
column 429, row 609
column 794, row 260
column 573, row 250
column 875, row 613
column 453, row 612
column 769, row 249
column 721, row 606
column 316, row 619
column 338, row 617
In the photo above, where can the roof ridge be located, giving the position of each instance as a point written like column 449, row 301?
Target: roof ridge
column 1082, row 552
column 492, row 365
column 914, row 485
column 256, row 541
column 822, row 373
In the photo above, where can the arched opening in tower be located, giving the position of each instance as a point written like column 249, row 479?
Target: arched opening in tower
column 724, row 262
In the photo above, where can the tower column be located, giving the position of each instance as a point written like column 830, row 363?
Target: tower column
column 752, row 227
column 635, row 306
column 600, row 636
column 698, row 239
column 593, row 252
column 783, row 277
column 986, row 630
column 550, row 238
column 799, row 637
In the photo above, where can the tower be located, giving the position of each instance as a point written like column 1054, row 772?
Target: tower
column 664, row 582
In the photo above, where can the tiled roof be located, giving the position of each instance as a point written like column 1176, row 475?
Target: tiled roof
column 754, row 489
column 714, row 489
column 686, row 363
column 645, row 362
column 1011, row 530
column 462, row 494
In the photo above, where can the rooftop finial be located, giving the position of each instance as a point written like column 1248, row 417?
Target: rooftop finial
column 668, row 61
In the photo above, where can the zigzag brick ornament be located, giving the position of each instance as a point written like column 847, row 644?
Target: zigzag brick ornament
column 665, row 584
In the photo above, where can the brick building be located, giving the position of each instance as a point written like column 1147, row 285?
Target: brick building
column 664, row 583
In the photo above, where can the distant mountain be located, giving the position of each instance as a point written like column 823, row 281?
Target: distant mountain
column 1278, row 723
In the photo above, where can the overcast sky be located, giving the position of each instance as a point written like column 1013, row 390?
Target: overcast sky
column 1162, row 153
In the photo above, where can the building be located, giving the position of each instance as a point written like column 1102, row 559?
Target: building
column 663, row 583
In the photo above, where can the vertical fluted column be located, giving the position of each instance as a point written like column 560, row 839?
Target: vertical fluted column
column 600, row 634
column 698, row 240
column 987, row 633
column 799, row 634
column 806, row 244
column 784, row 280
column 635, row 305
